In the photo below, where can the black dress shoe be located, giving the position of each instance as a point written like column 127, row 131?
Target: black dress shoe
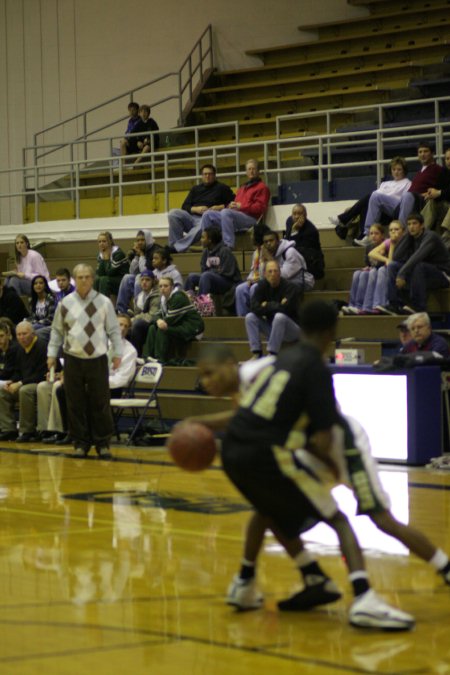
column 27, row 437
column 80, row 451
column 64, row 439
column 51, row 439
column 8, row 436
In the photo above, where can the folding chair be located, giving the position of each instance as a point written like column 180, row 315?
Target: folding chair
column 140, row 396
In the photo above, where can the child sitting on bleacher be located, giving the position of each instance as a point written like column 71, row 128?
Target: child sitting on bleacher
column 361, row 277
column 146, row 305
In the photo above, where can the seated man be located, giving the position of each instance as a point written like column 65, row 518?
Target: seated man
column 421, row 262
column 31, row 368
column 422, row 337
column 219, row 268
column 245, row 290
column 252, row 200
column 140, row 258
column 411, row 200
column 144, row 143
column 51, row 399
column 129, row 144
column 11, row 304
column 305, row 236
column 64, row 284
column 273, row 312
column 436, row 211
column 185, row 223
column 292, row 264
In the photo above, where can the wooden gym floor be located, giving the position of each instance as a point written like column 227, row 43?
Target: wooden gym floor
column 121, row 567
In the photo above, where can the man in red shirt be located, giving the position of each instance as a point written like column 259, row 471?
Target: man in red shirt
column 252, row 200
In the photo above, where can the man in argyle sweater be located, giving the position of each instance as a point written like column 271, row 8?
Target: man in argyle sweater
column 83, row 323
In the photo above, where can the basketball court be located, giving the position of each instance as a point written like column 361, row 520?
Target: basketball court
column 122, row 566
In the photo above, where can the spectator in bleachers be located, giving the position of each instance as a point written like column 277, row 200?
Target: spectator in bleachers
column 64, row 283
column 11, row 304
column 146, row 305
column 28, row 264
column 251, row 203
column 245, row 290
column 422, row 337
column 411, row 200
column 129, row 144
column 8, row 354
column 140, row 258
column 292, row 264
column 112, row 265
column 175, row 325
column 421, row 262
column 31, row 368
column 185, row 224
column 394, row 188
column 361, row 278
column 164, row 267
column 376, row 292
column 219, row 268
column 404, row 336
column 148, row 125
column 306, row 237
column 436, row 211
column 273, row 312
column 42, row 306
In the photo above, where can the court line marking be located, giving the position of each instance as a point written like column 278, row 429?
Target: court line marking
column 170, row 638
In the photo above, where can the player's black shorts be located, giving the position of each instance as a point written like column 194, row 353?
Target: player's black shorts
column 277, row 485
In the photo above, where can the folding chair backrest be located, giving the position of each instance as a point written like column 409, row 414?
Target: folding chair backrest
column 149, row 374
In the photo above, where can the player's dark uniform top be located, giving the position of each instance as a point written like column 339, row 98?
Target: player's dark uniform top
column 289, row 400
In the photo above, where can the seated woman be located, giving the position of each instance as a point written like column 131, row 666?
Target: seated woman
column 28, row 264
column 361, row 277
column 163, row 266
column 176, row 324
column 395, row 188
column 112, row 264
column 245, row 290
column 376, row 296
column 43, row 304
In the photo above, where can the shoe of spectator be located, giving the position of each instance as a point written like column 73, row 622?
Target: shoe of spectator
column 63, row 439
column 28, row 437
column 8, row 436
column 407, row 309
column 370, row 611
column 244, row 594
column 390, row 310
column 334, row 220
column 312, row 596
column 365, row 241
column 103, row 451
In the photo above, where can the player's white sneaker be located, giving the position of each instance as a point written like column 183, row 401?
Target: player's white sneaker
column 370, row 611
column 244, row 594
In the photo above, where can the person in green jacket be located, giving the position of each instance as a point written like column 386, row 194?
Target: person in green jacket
column 112, row 265
column 176, row 324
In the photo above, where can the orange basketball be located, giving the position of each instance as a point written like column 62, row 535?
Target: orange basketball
column 192, row 446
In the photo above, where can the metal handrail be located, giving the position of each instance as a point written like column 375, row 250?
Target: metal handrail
column 166, row 159
column 205, row 54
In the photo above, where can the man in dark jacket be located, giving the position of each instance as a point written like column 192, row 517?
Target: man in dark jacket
column 273, row 311
column 421, row 262
column 31, row 368
column 11, row 304
column 185, row 223
column 305, row 235
column 219, row 268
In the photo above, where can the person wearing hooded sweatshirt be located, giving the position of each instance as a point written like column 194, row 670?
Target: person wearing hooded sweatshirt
column 177, row 322
column 163, row 266
column 146, row 305
column 112, row 264
column 219, row 268
column 140, row 258
column 292, row 263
